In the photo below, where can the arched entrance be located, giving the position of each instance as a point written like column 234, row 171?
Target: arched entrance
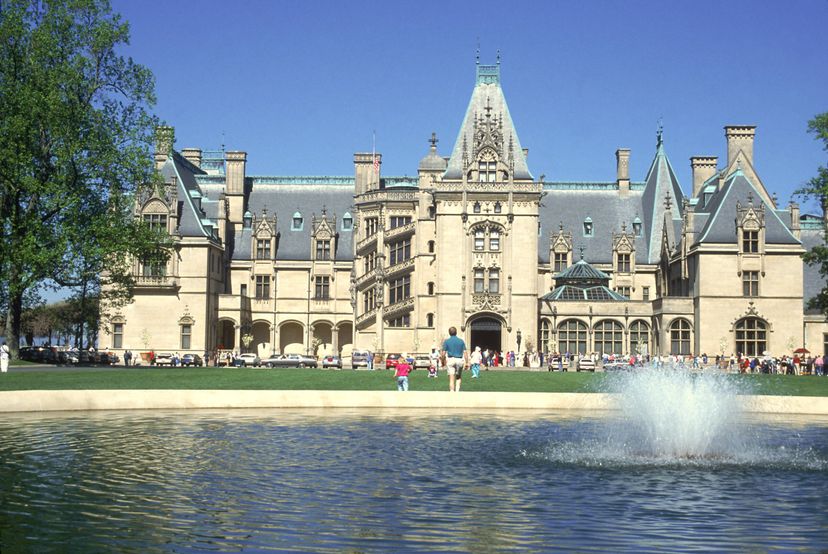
column 226, row 335
column 485, row 333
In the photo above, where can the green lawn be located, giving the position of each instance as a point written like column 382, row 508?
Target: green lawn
column 317, row 379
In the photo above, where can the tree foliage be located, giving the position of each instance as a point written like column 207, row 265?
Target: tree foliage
column 75, row 137
column 817, row 188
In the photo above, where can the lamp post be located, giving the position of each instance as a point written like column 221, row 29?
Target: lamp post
column 517, row 335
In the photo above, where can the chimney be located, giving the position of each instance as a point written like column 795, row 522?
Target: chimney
column 703, row 167
column 234, row 169
column 795, row 227
column 192, row 155
column 622, row 157
column 164, row 142
column 365, row 177
column 739, row 137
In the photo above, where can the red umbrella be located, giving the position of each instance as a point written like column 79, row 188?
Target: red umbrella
column 802, row 351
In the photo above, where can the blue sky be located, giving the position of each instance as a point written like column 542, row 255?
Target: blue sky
column 301, row 86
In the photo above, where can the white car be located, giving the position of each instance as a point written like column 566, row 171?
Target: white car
column 248, row 360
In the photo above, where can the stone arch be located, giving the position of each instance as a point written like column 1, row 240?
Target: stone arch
column 226, row 334
column 345, row 337
column 322, row 338
column 485, row 329
column 572, row 336
column 292, row 337
column 680, row 334
column 262, row 344
column 608, row 337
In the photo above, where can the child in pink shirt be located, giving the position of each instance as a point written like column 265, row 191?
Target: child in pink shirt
column 403, row 369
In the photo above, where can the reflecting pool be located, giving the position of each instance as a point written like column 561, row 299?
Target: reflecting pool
column 397, row 481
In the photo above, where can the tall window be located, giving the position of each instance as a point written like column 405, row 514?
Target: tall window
column 609, row 337
column 494, row 281
column 243, row 291
column 400, row 321
column 560, row 261
column 347, row 222
column 431, row 247
column 156, row 222
column 117, row 335
column 750, row 242
column 645, row 293
column 371, row 226
column 298, row 222
column 476, row 207
column 623, row 263
column 262, row 287
column 680, row 337
column 322, row 288
column 431, row 289
column 487, row 172
column 479, row 239
column 494, row 240
column 263, row 249
column 369, row 300
column 154, row 266
column 323, row 249
column 498, row 208
column 400, row 252
column 624, row 291
column 429, row 320
column 750, row 283
column 588, row 228
column 572, row 335
column 637, row 227
column 639, row 337
column 479, row 280
column 400, row 220
column 400, row 289
column 544, row 335
column 751, row 336
column 186, row 334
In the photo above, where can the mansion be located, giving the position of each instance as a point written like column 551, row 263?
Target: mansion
column 325, row 265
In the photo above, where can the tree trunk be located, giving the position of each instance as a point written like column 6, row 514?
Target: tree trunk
column 15, row 310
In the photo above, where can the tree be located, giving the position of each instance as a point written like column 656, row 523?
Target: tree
column 817, row 188
column 75, row 140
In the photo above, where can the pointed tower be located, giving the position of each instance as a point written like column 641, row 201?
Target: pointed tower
column 661, row 201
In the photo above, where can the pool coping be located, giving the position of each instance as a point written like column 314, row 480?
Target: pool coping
column 170, row 399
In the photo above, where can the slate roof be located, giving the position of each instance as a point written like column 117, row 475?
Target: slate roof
column 487, row 92
column 661, row 180
column 196, row 213
column 581, row 271
column 813, row 282
column 581, row 281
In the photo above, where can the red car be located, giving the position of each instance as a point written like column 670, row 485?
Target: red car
column 391, row 361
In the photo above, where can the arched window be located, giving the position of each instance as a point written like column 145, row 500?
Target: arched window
column 572, row 335
column 544, row 335
column 639, row 338
column 494, row 239
column 680, row 337
column 297, row 223
column 637, row 226
column 476, row 207
column 609, row 337
column 429, row 320
column 588, row 228
column 498, row 208
column 751, row 336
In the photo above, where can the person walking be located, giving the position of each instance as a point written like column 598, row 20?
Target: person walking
column 127, row 358
column 457, row 358
column 4, row 358
column 476, row 358
column 403, row 368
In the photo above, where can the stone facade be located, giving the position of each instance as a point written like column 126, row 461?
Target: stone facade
column 323, row 265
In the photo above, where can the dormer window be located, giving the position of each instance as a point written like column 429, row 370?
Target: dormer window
column 588, row 228
column 487, row 172
column 262, row 249
column 156, row 222
column 347, row 222
column 637, row 227
column 323, row 249
column 298, row 222
column 750, row 242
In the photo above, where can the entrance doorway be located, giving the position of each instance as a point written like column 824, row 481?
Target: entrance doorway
column 485, row 333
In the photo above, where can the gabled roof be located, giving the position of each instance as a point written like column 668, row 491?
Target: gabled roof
column 720, row 226
column 198, row 212
column 487, row 97
column 580, row 272
column 661, row 180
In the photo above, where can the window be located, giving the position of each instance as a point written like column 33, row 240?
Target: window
column 494, row 281
column 371, row 226
column 680, row 337
column 399, row 290
column 588, row 229
column 624, row 291
column 400, row 220
column 637, row 227
column 498, row 208
column 494, row 240
column 624, row 263
column 117, row 335
column 479, row 277
column 156, row 222
column 572, row 337
column 431, row 247
column 322, row 288
column 544, row 335
column 243, row 291
column 297, row 223
column 639, row 338
column 431, row 289
column 262, row 287
column 323, row 249
column 476, row 207
column 370, row 261
column 479, row 239
column 431, row 212
column 186, row 334
column 750, row 242
column 561, row 259
column 750, row 283
column 263, row 249
column 609, row 337
column 400, row 321
column 429, row 320
column 645, row 293
column 347, row 222
column 751, row 336
column 154, row 266
column 487, row 172
column 369, row 300
column 400, row 252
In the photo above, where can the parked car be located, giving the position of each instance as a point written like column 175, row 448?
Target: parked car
column 291, row 360
column 391, row 361
column 192, row 360
column 359, row 358
column 249, row 359
column 164, row 358
column 332, row 361
column 422, row 361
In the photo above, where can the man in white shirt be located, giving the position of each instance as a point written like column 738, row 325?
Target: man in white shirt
column 4, row 358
